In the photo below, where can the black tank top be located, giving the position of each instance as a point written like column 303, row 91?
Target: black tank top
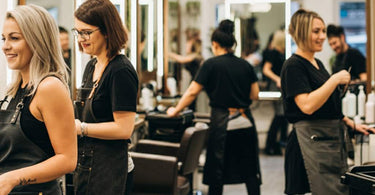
column 34, row 129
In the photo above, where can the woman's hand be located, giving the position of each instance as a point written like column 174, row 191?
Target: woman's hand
column 364, row 129
column 342, row 77
column 172, row 111
column 6, row 184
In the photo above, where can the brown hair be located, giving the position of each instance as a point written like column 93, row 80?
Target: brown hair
column 103, row 14
column 223, row 35
column 301, row 26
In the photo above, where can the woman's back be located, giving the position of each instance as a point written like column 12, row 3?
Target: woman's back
column 227, row 80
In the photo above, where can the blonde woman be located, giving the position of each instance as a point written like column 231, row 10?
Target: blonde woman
column 37, row 137
column 312, row 104
column 271, row 69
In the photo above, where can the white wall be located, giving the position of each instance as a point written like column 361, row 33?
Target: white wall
column 3, row 64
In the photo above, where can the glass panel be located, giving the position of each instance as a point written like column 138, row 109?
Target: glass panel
column 353, row 20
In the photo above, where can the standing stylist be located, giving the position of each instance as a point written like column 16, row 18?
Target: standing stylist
column 313, row 105
column 108, row 114
column 38, row 143
column 230, row 82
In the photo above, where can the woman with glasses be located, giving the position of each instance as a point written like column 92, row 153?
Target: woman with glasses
column 108, row 97
column 38, row 142
column 312, row 104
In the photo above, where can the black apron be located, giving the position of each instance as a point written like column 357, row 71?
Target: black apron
column 296, row 181
column 102, row 164
column 323, row 148
column 232, row 156
column 17, row 151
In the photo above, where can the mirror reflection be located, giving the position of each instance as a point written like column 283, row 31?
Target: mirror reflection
column 258, row 23
column 150, row 42
column 185, row 44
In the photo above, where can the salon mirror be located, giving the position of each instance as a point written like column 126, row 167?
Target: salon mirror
column 255, row 21
column 174, row 37
column 147, row 46
column 184, row 25
column 149, row 32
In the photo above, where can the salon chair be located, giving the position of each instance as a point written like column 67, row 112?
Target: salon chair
column 166, row 168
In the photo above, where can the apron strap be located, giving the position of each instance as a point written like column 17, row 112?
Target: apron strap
column 19, row 107
column 2, row 101
column 235, row 112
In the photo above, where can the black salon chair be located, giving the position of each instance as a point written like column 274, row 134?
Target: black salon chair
column 166, row 168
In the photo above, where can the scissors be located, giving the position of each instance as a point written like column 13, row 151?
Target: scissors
column 347, row 84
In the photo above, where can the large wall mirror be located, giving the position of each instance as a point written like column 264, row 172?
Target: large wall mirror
column 255, row 22
column 149, row 32
column 184, row 33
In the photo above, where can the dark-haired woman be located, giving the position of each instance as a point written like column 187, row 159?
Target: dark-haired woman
column 108, row 116
column 230, row 82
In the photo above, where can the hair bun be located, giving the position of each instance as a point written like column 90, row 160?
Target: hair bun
column 226, row 26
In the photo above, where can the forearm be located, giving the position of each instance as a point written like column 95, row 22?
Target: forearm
column 272, row 76
column 110, row 130
column 348, row 122
column 267, row 71
column 181, row 58
column 186, row 100
column 317, row 98
column 46, row 171
column 188, row 97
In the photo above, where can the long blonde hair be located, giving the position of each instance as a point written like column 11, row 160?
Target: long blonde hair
column 41, row 34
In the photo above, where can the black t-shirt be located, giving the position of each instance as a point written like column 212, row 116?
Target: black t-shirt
column 299, row 76
column 117, row 89
column 227, row 80
column 193, row 67
column 277, row 60
column 352, row 57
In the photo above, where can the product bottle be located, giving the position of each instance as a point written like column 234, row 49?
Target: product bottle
column 147, row 97
column 361, row 101
column 370, row 109
column 352, row 104
column 172, row 85
column 344, row 104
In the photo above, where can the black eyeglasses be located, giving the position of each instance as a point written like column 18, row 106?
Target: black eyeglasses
column 83, row 34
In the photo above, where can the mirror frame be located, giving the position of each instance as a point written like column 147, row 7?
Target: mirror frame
column 370, row 46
